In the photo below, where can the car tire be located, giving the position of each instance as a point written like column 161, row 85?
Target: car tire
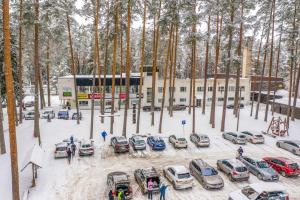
column 231, row 178
column 260, row 177
column 218, row 168
column 234, row 141
column 278, row 144
column 294, row 152
column 283, row 173
column 174, row 185
column 223, row 136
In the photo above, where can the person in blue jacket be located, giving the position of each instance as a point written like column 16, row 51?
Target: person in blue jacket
column 162, row 191
column 104, row 134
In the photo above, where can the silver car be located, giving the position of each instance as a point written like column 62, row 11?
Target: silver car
column 207, row 176
column 261, row 169
column 200, row 140
column 178, row 142
column 137, row 142
column 236, row 138
column 289, row 145
column 234, row 169
column 255, row 138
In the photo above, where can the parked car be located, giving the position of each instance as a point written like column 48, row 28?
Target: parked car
column 284, row 166
column 142, row 177
column 75, row 116
column 156, row 143
column 178, row 142
column 207, row 176
column 137, row 143
column 234, row 169
column 29, row 115
column 148, row 108
column 289, row 145
column 61, row 150
column 47, row 112
column 231, row 106
column 29, row 103
column 260, row 168
column 119, row 181
column 178, row 107
column 200, row 140
column 63, row 114
column 108, row 110
column 236, row 138
column 260, row 191
column 120, row 144
column 255, row 138
column 179, row 176
column 86, row 148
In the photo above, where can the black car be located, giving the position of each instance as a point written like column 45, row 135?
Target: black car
column 231, row 106
column 148, row 108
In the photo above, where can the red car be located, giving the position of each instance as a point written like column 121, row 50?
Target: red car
column 284, row 166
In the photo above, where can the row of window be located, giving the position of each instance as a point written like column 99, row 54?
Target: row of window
column 183, row 100
column 201, row 89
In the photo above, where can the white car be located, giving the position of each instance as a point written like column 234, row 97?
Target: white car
column 254, row 137
column 260, row 191
column 178, row 142
column 86, row 148
column 179, row 176
column 47, row 112
column 61, row 150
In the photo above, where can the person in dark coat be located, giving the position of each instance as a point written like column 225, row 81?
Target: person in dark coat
column 111, row 195
column 240, row 151
column 72, row 139
column 69, row 153
column 104, row 134
column 162, row 191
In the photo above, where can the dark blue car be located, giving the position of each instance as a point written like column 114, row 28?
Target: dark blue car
column 63, row 114
column 156, row 143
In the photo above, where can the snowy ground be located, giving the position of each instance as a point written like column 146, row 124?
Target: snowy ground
column 85, row 178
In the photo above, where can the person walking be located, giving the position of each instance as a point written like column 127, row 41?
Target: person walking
column 104, row 134
column 162, row 191
column 110, row 195
column 120, row 194
column 73, row 147
column 150, row 189
column 69, row 153
column 72, row 139
column 240, row 151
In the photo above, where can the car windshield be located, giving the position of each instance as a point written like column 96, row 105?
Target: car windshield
column 274, row 195
column 242, row 136
column 294, row 166
column 209, row 171
column 86, row 146
column 140, row 141
column 262, row 164
column 182, row 139
column 47, row 112
column 241, row 169
column 259, row 136
column 204, row 137
column 157, row 139
column 63, row 112
column 183, row 176
column 250, row 193
column 61, row 148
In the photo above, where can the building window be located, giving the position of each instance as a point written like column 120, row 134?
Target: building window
column 182, row 89
column 242, row 98
column 231, row 88
column 83, row 103
column 149, row 95
column 200, row 89
column 220, row 99
column 159, row 100
column 242, row 88
column 171, row 89
column 221, row 89
column 209, row 99
column 230, row 98
column 83, row 89
column 182, row 100
column 160, row 89
column 210, row 89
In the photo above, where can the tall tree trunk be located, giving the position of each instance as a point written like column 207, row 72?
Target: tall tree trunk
column 277, row 68
column 270, row 64
column 73, row 65
column 213, row 105
column 205, row 67
column 174, row 69
column 10, row 102
column 2, row 138
column 264, row 64
column 42, row 97
column 114, row 66
column 21, row 62
column 95, row 67
column 141, row 68
column 292, row 65
column 191, row 86
column 121, row 65
column 194, row 76
column 154, row 67
column 227, row 67
column 238, row 73
column 165, row 79
column 37, row 73
column 171, row 73
column 48, row 72
column 105, row 64
column 128, row 63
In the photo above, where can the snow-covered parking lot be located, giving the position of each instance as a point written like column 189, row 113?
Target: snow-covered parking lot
column 85, row 178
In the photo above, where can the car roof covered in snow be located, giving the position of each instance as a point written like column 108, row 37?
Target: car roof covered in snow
column 235, row 163
column 151, row 171
column 267, row 187
column 180, row 169
column 157, row 138
column 120, row 138
column 119, row 176
column 61, row 144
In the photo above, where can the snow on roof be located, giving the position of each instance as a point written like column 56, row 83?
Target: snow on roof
column 283, row 93
column 267, row 186
column 180, row 169
column 132, row 75
column 34, row 156
column 285, row 101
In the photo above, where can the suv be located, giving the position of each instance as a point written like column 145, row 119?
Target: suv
column 63, row 114
column 178, row 142
column 260, row 191
column 47, row 112
column 234, row 169
column 86, row 148
column 255, row 138
column 283, row 166
column 119, row 181
column 260, row 168
column 61, row 150
column 200, row 140
column 142, row 177
column 289, row 145
column 207, row 176
column 137, row 143
column 120, row 144
column 235, row 138
column 179, row 176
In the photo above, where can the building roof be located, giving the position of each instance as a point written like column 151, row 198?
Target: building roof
column 34, row 156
